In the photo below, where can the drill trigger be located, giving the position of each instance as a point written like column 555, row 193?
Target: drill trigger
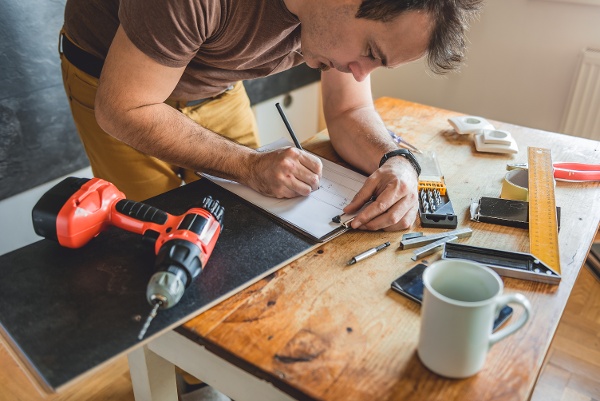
column 149, row 237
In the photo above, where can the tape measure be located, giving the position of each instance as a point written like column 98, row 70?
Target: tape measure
column 543, row 227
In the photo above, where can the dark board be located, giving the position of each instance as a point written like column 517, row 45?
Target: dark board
column 38, row 141
column 68, row 310
column 266, row 88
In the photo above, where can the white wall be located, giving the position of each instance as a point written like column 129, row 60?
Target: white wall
column 521, row 61
column 302, row 114
column 15, row 214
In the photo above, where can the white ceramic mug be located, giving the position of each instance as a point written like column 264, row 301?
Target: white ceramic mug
column 461, row 299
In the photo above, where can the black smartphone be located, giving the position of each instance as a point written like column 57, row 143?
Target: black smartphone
column 410, row 284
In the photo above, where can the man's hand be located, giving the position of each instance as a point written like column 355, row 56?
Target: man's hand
column 394, row 187
column 285, row 173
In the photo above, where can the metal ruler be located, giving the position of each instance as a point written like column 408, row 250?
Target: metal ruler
column 542, row 263
column 543, row 227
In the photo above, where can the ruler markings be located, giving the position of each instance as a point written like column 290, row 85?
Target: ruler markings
column 543, row 227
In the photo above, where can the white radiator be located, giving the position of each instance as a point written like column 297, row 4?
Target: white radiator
column 582, row 115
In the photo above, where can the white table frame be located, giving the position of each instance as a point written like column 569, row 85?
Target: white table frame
column 152, row 369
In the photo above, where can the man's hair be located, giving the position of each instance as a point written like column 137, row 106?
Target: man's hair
column 446, row 49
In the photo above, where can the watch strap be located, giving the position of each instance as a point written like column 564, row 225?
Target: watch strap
column 404, row 153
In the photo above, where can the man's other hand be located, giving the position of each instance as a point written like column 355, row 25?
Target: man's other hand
column 394, row 189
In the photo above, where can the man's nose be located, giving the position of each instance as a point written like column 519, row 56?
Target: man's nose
column 360, row 70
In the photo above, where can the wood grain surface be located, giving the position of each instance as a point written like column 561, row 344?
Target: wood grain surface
column 322, row 330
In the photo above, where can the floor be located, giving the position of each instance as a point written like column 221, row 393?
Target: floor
column 571, row 371
column 572, row 368
column 112, row 382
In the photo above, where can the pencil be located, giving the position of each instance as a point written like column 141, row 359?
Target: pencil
column 288, row 126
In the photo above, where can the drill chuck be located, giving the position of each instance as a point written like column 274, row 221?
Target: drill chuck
column 178, row 263
column 165, row 287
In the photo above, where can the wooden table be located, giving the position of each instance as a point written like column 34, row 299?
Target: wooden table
column 318, row 329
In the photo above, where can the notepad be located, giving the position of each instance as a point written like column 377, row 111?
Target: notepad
column 311, row 215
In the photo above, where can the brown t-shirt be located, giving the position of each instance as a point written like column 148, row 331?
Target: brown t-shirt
column 219, row 41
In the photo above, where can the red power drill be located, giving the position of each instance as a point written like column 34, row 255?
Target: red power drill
column 77, row 209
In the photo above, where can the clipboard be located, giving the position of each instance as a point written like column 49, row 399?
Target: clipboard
column 311, row 215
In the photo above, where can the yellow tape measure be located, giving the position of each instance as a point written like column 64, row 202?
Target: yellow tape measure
column 543, row 227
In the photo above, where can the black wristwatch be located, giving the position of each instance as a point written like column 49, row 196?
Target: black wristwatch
column 404, row 153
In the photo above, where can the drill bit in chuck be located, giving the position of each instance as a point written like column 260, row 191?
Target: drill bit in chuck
column 158, row 303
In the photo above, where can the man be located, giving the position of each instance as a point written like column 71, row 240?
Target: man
column 163, row 61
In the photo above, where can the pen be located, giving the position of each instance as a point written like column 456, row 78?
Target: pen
column 288, row 126
column 400, row 141
column 368, row 253
column 338, row 219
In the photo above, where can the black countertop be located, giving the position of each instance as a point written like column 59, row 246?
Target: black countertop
column 69, row 310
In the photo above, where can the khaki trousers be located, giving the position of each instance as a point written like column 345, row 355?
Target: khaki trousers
column 138, row 175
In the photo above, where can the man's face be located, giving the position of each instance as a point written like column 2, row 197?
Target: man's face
column 332, row 37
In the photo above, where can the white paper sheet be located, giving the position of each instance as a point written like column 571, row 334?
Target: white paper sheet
column 311, row 214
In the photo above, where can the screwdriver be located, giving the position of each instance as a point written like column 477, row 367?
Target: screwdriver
column 367, row 253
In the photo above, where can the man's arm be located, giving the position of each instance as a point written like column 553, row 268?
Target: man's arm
column 360, row 137
column 129, row 106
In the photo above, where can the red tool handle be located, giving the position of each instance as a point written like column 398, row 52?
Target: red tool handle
column 81, row 209
column 98, row 204
column 577, row 171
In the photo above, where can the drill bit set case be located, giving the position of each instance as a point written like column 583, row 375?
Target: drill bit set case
column 435, row 206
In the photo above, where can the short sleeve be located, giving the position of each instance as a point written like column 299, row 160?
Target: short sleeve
column 169, row 31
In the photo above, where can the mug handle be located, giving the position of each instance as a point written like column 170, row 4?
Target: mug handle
column 505, row 332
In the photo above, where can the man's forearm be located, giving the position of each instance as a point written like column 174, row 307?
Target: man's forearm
column 129, row 106
column 360, row 137
column 163, row 132
column 356, row 130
